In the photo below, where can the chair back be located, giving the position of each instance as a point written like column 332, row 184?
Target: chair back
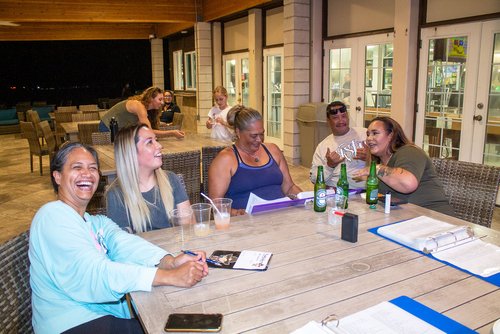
column 178, row 120
column 85, row 131
column 29, row 132
column 33, row 117
column 470, row 187
column 208, row 154
column 187, row 164
column 15, row 291
column 49, row 137
column 62, row 117
column 101, row 138
column 88, row 116
column 86, row 107
column 67, row 109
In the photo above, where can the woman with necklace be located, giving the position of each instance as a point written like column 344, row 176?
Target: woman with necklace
column 249, row 166
column 143, row 193
column 403, row 168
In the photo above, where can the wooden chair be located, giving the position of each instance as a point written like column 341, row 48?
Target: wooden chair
column 33, row 117
column 471, row 188
column 101, row 138
column 29, row 132
column 67, row 109
column 15, row 290
column 88, row 116
column 87, row 107
column 62, row 117
column 187, row 164
column 85, row 131
column 49, row 137
column 178, row 120
column 208, row 153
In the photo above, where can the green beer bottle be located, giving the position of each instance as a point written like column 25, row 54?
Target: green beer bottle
column 320, row 192
column 372, row 186
column 343, row 184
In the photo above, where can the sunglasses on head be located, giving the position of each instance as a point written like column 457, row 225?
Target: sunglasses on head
column 334, row 112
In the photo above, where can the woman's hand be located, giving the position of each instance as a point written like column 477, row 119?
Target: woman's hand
column 184, row 270
column 361, row 174
column 209, row 123
column 176, row 133
column 237, row 212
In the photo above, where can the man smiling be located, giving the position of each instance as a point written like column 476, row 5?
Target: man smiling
column 345, row 144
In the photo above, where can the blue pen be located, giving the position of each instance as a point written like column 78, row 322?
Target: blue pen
column 215, row 263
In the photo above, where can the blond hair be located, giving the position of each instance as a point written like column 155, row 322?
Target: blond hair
column 127, row 181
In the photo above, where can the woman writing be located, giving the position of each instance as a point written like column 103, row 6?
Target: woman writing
column 137, row 109
column 140, row 197
column 249, row 165
column 217, row 116
column 169, row 108
column 81, row 266
column 403, row 168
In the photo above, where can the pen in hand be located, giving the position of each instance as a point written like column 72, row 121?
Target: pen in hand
column 215, row 263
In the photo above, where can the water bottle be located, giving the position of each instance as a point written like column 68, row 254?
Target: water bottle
column 113, row 127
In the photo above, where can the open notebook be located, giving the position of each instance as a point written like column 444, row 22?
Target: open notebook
column 451, row 244
column 400, row 315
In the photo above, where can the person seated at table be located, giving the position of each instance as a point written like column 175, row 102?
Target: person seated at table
column 169, row 108
column 81, row 266
column 217, row 116
column 143, row 108
column 249, row 165
column 403, row 168
column 342, row 137
column 141, row 196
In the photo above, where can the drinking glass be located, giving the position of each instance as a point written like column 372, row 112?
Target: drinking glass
column 336, row 206
column 201, row 212
column 182, row 218
column 222, row 212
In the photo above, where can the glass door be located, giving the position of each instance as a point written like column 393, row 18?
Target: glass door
column 458, row 115
column 236, row 78
column 273, row 107
column 367, row 61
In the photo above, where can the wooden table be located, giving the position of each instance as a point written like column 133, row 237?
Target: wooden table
column 313, row 274
column 191, row 142
column 71, row 129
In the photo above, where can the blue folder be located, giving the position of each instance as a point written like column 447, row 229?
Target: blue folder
column 430, row 316
column 493, row 279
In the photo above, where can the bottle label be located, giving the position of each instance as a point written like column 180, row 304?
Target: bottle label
column 321, row 198
column 373, row 194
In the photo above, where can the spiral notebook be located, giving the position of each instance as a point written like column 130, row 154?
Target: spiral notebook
column 454, row 245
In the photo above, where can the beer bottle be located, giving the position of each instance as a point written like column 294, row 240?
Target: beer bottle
column 343, row 184
column 113, row 127
column 320, row 192
column 372, row 186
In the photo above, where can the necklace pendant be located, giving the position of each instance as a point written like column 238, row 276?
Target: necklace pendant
column 256, row 159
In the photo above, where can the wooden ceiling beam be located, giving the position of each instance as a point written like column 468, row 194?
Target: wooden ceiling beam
column 76, row 31
column 215, row 9
column 98, row 11
column 167, row 29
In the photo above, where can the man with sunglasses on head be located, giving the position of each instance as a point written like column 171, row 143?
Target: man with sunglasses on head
column 345, row 144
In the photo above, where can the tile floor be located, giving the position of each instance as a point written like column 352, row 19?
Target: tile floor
column 23, row 192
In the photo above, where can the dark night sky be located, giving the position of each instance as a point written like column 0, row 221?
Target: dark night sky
column 77, row 70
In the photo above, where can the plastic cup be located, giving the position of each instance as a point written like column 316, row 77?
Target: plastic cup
column 182, row 218
column 201, row 212
column 336, row 206
column 222, row 216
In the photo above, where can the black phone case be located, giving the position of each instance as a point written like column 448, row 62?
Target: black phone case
column 349, row 227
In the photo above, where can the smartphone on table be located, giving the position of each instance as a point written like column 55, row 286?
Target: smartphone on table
column 193, row 322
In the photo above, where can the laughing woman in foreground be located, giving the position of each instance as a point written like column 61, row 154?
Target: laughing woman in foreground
column 82, row 265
